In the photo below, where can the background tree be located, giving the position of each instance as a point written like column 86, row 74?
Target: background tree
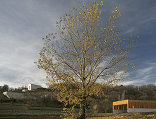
column 86, row 49
column 0, row 89
column 5, row 88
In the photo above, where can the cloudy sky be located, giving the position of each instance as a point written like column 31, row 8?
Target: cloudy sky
column 23, row 23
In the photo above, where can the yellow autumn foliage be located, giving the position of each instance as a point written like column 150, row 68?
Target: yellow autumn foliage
column 85, row 51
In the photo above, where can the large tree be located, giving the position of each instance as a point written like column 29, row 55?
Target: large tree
column 85, row 51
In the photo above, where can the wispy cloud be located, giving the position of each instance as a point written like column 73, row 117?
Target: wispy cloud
column 143, row 75
column 22, row 27
column 24, row 23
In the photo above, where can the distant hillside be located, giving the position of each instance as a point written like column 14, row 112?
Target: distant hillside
column 104, row 103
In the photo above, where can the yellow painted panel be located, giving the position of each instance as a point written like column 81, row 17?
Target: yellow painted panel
column 120, row 102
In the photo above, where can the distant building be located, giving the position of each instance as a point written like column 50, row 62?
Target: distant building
column 134, row 106
column 33, row 86
column 24, row 89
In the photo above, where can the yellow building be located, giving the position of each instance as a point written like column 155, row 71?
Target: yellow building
column 134, row 106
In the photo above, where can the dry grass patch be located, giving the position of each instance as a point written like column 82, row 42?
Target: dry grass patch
column 124, row 116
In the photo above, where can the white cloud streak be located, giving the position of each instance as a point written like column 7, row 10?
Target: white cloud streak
column 142, row 76
column 24, row 23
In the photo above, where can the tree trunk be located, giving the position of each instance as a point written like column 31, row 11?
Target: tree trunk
column 83, row 103
column 83, row 109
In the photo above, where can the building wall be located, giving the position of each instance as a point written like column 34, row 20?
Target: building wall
column 140, row 110
column 32, row 86
column 29, row 86
column 142, row 104
column 120, row 102
column 119, row 111
column 134, row 106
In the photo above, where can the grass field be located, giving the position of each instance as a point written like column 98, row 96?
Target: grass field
column 21, row 111
column 123, row 116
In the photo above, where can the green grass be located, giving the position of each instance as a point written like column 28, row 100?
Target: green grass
column 29, row 112
column 29, row 117
column 21, row 111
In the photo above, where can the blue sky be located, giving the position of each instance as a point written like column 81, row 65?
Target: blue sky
column 24, row 22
